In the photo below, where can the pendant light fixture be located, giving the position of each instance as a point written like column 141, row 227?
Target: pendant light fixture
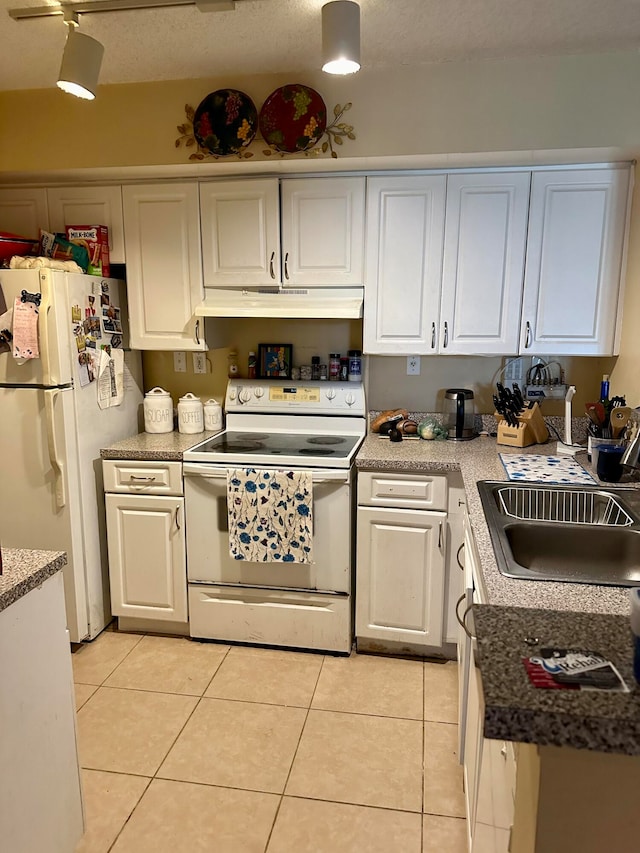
column 341, row 37
column 81, row 61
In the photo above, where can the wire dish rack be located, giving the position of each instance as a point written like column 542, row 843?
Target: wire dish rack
column 565, row 506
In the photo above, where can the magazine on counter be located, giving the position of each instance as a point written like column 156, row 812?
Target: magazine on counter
column 573, row 669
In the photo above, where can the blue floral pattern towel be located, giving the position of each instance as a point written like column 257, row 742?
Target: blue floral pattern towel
column 270, row 515
column 533, row 468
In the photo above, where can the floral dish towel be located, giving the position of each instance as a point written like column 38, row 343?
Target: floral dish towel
column 270, row 515
column 536, row 468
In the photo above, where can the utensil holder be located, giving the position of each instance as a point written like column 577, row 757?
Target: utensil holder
column 531, row 429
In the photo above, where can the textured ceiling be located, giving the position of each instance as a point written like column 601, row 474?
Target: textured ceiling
column 271, row 36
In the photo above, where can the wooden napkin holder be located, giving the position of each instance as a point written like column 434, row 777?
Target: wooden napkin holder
column 531, row 429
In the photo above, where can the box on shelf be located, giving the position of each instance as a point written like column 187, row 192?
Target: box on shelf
column 95, row 238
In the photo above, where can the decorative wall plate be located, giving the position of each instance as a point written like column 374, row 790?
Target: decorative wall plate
column 225, row 122
column 293, row 118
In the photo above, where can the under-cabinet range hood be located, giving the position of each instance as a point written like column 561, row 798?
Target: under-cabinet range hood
column 302, row 303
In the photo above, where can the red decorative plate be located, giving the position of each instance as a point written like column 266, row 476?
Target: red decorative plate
column 225, row 122
column 293, row 118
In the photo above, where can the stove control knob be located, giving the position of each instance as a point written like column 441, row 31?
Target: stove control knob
column 232, row 393
column 259, row 392
column 331, row 393
column 244, row 395
column 350, row 399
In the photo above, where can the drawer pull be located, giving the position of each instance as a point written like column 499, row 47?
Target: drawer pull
column 135, row 479
column 458, row 552
column 462, row 621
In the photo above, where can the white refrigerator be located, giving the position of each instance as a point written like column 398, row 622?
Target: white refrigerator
column 52, row 430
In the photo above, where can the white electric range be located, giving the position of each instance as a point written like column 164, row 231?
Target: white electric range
column 315, row 427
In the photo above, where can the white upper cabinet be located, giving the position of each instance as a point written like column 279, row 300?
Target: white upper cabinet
column 24, row 211
column 574, row 261
column 240, row 232
column 323, row 232
column 89, row 206
column 322, row 223
column 164, row 266
column 484, row 250
column 405, row 230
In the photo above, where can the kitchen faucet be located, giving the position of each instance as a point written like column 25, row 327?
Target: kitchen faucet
column 631, row 456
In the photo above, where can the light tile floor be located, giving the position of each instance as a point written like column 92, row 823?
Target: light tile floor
column 189, row 747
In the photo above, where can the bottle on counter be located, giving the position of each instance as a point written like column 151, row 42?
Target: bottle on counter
column 334, row 366
column 344, row 369
column 252, row 365
column 355, row 365
column 315, row 367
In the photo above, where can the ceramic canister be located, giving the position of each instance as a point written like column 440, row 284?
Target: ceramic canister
column 158, row 411
column 190, row 414
column 212, row 415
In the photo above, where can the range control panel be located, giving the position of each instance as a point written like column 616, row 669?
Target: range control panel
column 283, row 396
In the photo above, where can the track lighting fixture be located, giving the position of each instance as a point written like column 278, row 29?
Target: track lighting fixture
column 81, row 61
column 341, row 37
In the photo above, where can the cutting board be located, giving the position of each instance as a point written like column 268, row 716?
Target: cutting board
column 536, row 468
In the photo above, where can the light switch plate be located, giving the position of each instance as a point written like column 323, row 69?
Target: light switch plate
column 180, row 362
column 413, row 365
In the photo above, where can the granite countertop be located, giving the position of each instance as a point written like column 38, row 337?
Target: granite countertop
column 25, row 570
column 600, row 720
column 165, row 446
column 478, row 460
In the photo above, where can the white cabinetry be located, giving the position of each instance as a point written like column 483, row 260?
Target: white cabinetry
column 24, row 211
column 89, row 206
column 484, row 248
column 40, row 795
column 400, row 563
column 164, row 266
column 323, row 232
column 146, row 540
column 405, row 229
column 322, row 225
column 574, row 261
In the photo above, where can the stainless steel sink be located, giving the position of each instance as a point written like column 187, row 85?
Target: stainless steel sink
column 574, row 534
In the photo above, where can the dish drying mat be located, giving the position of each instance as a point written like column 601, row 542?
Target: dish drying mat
column 535, row 468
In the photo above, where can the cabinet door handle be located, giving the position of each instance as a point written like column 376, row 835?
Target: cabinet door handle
column 198, row 332
column 286, row 266
column 527, row 337
column 433, row 336
column 439, row 534
column 177, row 518
column 458, row 552
column 446, row 334
column 461, row 621
column 272, row 271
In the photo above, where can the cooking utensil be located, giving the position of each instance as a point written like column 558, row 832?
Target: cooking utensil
column 619, row 419
column 596, row 413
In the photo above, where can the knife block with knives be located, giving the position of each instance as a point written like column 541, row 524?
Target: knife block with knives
column 529, row 429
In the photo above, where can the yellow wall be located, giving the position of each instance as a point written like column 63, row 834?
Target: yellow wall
column 551, row 109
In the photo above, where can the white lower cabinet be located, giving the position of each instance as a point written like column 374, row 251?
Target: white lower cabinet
column 404, row 581
column 146, row 540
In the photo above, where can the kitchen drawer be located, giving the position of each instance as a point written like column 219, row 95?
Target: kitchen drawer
column 411, row 491
column 143, row 477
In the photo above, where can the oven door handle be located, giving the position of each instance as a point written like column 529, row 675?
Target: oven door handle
column 195, row 469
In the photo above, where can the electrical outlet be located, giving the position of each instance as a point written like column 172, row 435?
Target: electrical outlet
column 199, row 362
column 180, row 362
column 413, row 365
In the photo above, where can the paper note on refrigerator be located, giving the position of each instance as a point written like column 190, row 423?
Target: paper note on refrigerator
column 25, row 329
column 110, row 378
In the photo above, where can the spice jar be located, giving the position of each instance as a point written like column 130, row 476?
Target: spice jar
column 355, row 365
column 190, row 414
column 322, row 374
column 315, row 367
column 252, row 364
column 344, row 369
column 158, row 411
column 334, row 366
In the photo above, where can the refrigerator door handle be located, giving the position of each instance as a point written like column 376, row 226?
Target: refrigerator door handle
column 43, row 329
column 56, row 463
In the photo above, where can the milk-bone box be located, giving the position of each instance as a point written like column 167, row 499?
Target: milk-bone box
column 95, row 239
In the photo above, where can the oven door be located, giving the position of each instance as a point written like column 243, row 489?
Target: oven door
column 208, row 558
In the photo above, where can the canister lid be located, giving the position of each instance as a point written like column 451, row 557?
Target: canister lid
column 157, row 392
column 189, row 397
